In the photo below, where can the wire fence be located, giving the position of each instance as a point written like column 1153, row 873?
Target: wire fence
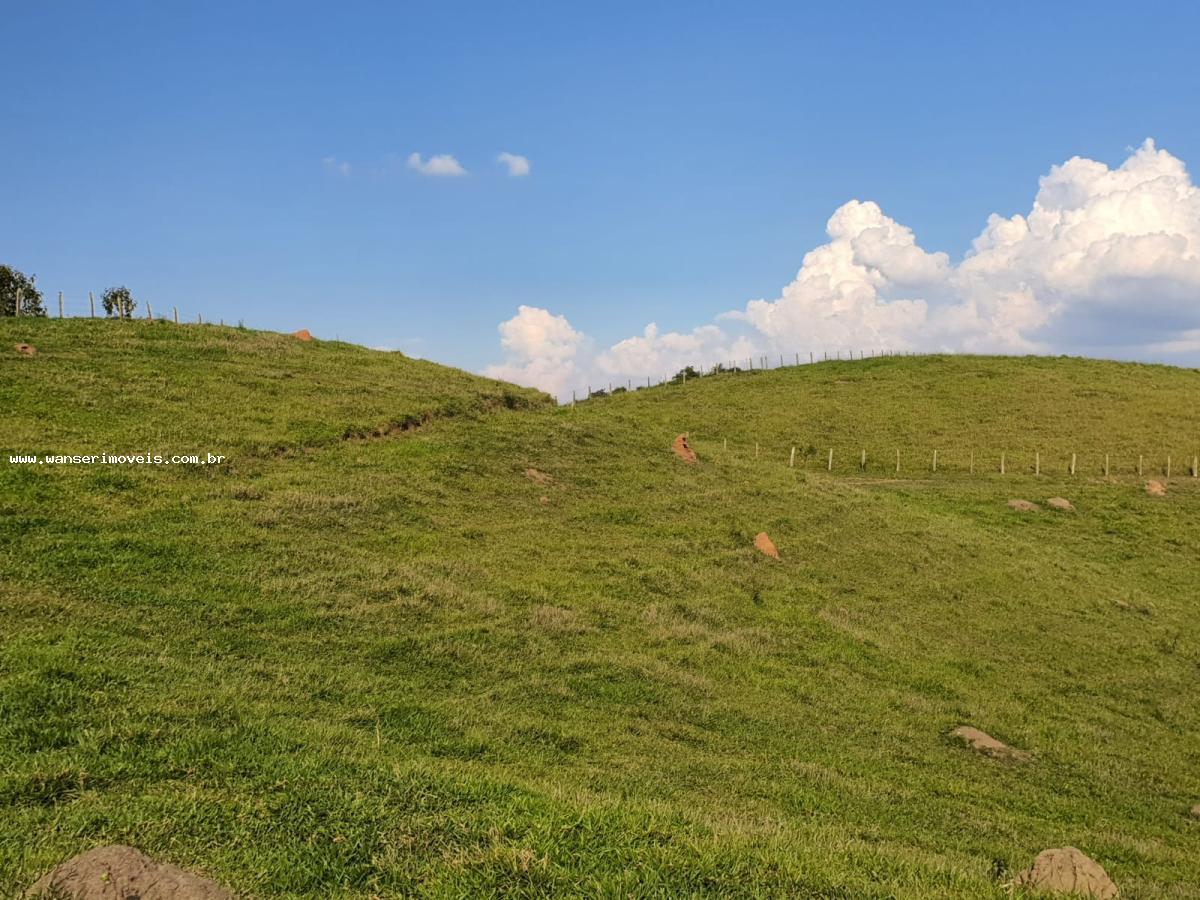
column 93, row 309
column 759, row 363
column 894, row 461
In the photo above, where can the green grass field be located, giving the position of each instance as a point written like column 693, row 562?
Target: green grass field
column 369, row 656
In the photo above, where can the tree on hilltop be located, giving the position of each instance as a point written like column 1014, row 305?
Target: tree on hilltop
column 118, row 301
column 12, row 282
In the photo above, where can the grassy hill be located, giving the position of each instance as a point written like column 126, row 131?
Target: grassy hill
column 360, row 659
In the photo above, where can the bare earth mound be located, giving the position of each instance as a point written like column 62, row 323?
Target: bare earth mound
column 1022, row 505
column 1156, row 489
column 303, row 335
column 539, row 477
column 1060, row 503
column 982, row 742
column 25, row 349
column 1195, row 811
column 123, row 873
column 1068, row 871
column 683, row 450
column 765, row 545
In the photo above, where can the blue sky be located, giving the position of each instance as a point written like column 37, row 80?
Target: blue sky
column 684, row 157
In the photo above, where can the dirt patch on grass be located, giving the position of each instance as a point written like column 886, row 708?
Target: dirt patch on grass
column 539, row 477
column 1023, row 506
column 984, row 743
column 25, row 349
column 1194, row 812
column 1067, row 871
column 302, row 335
column 683, row 450
column 1156, row 489
column 764, row 544
column 123, row 873
column 1060, row 503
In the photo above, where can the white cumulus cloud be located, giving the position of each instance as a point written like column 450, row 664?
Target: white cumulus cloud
column 442, row 164
column 518, row 166
column 1106, row 262
column 542, row 351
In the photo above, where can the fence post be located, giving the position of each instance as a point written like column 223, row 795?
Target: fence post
column 1168, row 466
column 1072, row 463
column 149, row 312
column 1139, row 465
column 175, row 314
column 810, row 356
column 1037, row 462
column 60, row 305
column 797, row 359
column 756, row 449
column 972, row 462
column 572, row 398
column 792, row 459
column 1105, row 465
column 935, row 460
column 199, row 319
column 1001, row 463
column 725, row 444
column 830, row 466
column 20, row 297
column 897, row 460
column 1195, row 466
column 862, row 463
column 92, row 303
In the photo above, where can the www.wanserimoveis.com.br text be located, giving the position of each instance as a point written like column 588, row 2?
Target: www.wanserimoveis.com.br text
column 116, row 459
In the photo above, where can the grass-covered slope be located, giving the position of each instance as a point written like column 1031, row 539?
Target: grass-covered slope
column 195, row 388
column 403, row 665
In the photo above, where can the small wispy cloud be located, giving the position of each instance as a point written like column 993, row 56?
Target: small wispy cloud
column 443, row 165
column 518, row 166
column 340, row 167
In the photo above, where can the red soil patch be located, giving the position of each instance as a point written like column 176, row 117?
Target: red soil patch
column 25, row 349
column 1067, row 871
column 1156, row 489
column 984, row 743
column 765, row 545
column 303, row 335
column 683, row 450
column 121, row 873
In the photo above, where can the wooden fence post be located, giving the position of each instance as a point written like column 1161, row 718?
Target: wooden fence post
column 756, row 449
column 725, row 444
column 1072, row 463
column 897, row 460
column 175, row 314
column 1139, row 465
column 60, row 305
column 1037, row 462
column 17, row 306
column 830, row 467
column 810, row 356
column 972, row 462
column 792, row 459
column 1168, row 466
column 862, row 462
column 1001, row 463
column 149, row 312
column 199, row 319
column 1195, row 466
column 935, row 460
column 1105, row 465
column 92, row 303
